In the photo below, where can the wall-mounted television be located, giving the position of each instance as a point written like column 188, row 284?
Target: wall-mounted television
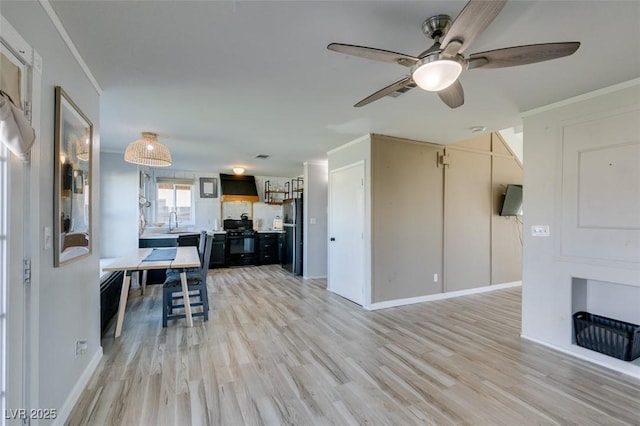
column 512, row 203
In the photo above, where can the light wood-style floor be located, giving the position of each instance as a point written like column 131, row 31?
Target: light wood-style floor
column 280, row 350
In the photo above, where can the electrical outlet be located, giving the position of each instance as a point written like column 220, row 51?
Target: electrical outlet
column 312, row 221
column 540, row 230
column 435, row 278
column 81, row 347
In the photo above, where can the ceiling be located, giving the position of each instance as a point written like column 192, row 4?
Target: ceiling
column 223, row 81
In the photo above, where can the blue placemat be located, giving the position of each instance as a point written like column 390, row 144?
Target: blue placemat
column 161, row 254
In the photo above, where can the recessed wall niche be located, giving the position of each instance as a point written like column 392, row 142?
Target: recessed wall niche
column 612, row 300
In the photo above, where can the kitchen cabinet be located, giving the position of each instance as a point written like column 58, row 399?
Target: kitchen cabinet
column 218, row 251
column 269, row 247
column 170, row 241
column 185, row 240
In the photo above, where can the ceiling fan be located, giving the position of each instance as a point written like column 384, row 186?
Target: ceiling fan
column 437, row 69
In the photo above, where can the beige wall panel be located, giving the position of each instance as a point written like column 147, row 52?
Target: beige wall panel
column 407, row 198
column 479, row 143
column 499, row 146
column 506, row 232
column 467, row 220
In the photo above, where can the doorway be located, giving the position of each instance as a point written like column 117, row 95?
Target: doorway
column 346, row 274
column 18, row 213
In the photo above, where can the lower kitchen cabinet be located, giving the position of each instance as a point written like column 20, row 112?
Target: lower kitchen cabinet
column 269, row 247
column 218, row 251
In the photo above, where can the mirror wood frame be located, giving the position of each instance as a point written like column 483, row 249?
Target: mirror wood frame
column 73, row 181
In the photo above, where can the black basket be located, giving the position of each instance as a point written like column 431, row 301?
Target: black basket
column 608, row 336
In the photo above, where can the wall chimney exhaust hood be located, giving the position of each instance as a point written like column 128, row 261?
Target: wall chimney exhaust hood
column 238, row 188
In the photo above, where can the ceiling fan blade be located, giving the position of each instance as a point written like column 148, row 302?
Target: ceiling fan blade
column 453, row 95
column 521, row 55
column 472, row 20
column 374, row 54
column 407, row 81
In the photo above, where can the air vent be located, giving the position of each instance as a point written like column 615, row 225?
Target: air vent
column 402, row 90
column 262, row 156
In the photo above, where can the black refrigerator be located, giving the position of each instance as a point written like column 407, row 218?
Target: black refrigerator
column 292, row 226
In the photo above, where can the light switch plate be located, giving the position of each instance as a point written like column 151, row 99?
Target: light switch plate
column 540, row 230
column 46, row 237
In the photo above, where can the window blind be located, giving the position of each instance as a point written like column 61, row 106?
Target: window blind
column 175, row 181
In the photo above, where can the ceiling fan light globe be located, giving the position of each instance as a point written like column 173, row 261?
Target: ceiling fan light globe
column 437, row 74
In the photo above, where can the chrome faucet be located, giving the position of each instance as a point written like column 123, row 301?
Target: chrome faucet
column 172, row 214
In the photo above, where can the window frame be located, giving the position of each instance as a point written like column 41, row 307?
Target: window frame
column 175, row 182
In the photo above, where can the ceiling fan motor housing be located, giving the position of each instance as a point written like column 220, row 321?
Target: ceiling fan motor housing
column 436, row 26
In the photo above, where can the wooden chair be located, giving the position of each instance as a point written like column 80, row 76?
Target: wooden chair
column 172, row 297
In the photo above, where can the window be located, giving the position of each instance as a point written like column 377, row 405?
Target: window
column 174, row 195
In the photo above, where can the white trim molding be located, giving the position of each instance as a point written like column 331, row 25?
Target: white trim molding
column 439, row 296
column 602, row 360
column 315, row 278
column 579, row 98
column 348, row 144
column 72, row 47
column 74, row 396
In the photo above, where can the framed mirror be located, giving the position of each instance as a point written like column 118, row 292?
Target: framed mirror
column 73, row 140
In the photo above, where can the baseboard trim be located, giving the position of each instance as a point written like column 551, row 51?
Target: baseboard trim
column 592, row 360
column 74, row 396
column 439, row 296
column 319, row 277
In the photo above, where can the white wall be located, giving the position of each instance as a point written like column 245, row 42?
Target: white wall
column 69, row 295
column 514, row 138
column 118, row 206
column 316, row 182
column 570, row 150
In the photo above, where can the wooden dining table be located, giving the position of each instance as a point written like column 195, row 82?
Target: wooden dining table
column 185, row 257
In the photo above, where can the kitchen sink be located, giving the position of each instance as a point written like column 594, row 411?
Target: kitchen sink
column 157, row 230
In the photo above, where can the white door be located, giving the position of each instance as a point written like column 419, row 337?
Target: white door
column 14, row 248
column 346, row 232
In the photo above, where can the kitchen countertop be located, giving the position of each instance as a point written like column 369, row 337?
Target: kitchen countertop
column 174, row 235
column 159, row 236
column 177, row 234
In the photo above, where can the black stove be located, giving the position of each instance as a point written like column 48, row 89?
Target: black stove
column 241, row 246
column 240, row 232
column 238, row 226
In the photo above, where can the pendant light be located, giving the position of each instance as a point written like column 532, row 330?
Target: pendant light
column 148, row 152
column 83, row 147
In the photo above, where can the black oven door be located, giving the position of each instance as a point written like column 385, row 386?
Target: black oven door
column 242, row 250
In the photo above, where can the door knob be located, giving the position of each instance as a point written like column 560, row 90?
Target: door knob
column 332, row 239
